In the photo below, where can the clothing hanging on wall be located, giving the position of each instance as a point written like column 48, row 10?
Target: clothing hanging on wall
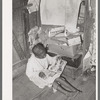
column 34, row 7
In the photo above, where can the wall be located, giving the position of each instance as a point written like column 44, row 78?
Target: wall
column 22, row 23
column 19, row 33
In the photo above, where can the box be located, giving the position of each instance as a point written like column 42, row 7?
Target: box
column 73, row 40
column 70, row 40
column 63, row 50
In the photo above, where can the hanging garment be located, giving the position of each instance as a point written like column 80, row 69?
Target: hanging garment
column 60, row 12
column 34, row 7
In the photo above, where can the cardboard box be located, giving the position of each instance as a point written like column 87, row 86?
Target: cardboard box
column 69, row 51
column 69, row 40
column 73, row 40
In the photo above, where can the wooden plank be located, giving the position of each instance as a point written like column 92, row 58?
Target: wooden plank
column 36, row 97
column 25, row 18
column 18, row 47
column 19, row 64
column 19, row 68
column 18, row 72
column 88, row 25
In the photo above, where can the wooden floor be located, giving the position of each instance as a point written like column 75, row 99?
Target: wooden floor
column 23, row 89
column 88, row 91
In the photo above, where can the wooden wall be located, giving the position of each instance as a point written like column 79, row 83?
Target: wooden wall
column 19, row 42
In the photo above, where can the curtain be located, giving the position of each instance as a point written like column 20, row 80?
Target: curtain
column 60, row 12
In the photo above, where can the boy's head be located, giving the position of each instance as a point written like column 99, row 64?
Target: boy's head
column 39, row 51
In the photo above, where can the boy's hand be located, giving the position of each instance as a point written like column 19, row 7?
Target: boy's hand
column 42, row 75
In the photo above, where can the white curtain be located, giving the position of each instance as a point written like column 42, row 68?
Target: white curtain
column 60, row 12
